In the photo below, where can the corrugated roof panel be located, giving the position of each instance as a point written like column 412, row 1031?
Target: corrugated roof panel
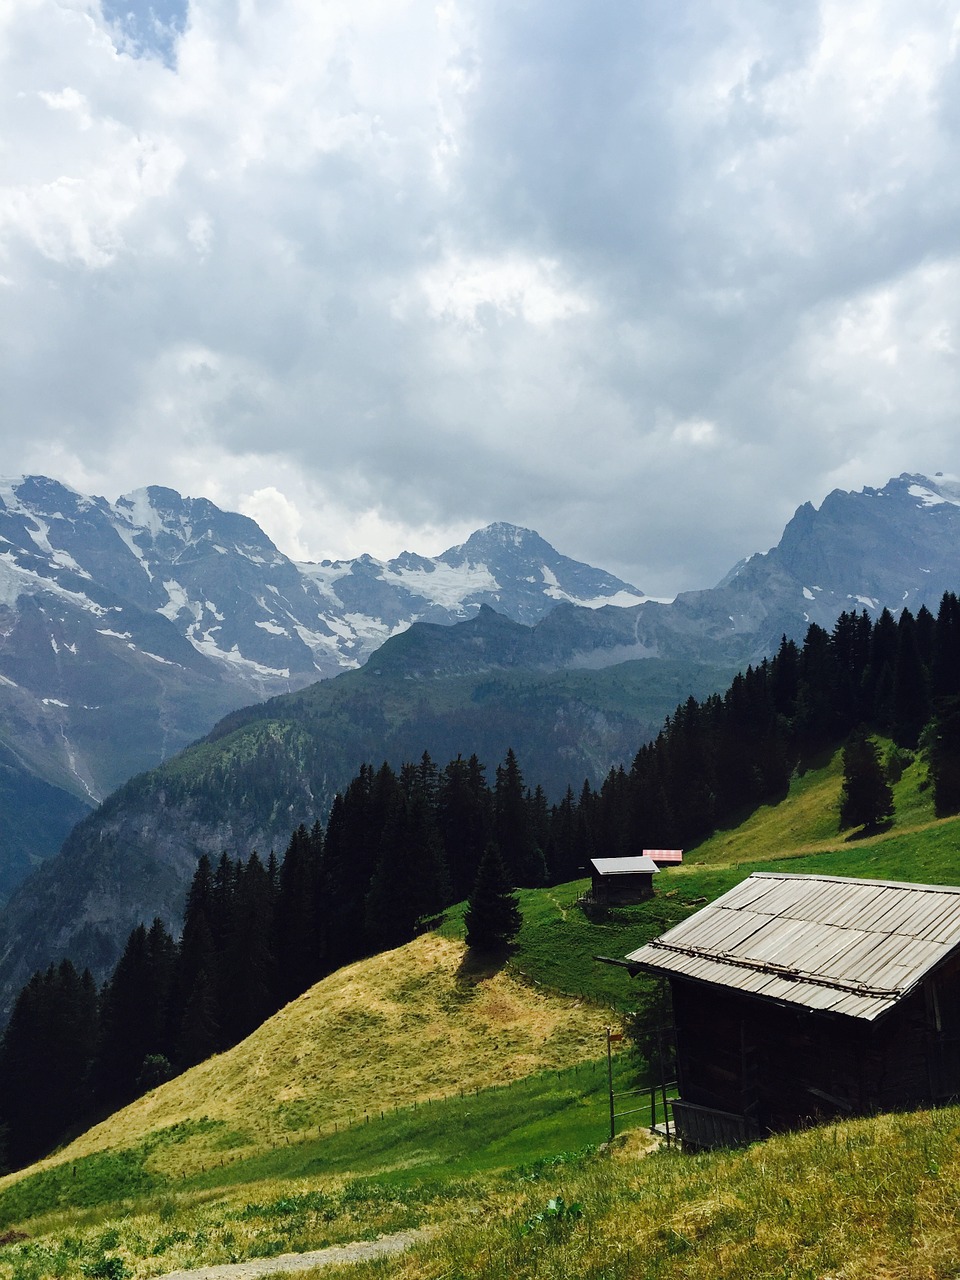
column 835, row 908
column 938, row 919
column 624, row 866
column 775, row 901
column 766, row 944
column 945, row 932
column 747, row 893
column 781, row 937
column 824, row 946
column 919, row 953
column 816, row 900
column 712, row 928
column 823, row 942
column 734, row 929
column 868, row 961
column 897, row 913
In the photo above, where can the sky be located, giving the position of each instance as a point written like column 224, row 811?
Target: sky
column 644, row 278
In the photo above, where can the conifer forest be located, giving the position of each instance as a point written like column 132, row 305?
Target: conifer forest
column 398, row 846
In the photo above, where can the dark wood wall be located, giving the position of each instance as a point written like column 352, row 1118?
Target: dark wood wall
column 782, row 1067
column 623, row 888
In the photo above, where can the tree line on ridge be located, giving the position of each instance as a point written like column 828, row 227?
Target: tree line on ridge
column 398, row 847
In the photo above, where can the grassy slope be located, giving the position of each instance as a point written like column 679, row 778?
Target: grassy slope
column 148, row 1186
column 417, row 1023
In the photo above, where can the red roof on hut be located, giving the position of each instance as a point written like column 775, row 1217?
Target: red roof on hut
column 664, row 857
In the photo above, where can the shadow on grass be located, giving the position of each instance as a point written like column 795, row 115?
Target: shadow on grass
column 479, row 966
column 872, row 829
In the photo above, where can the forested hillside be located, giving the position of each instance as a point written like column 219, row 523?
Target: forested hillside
column 399, row 847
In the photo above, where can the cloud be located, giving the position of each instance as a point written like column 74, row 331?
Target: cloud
column 644, row 278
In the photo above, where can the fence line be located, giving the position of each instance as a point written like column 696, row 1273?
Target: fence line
column 586, row 997
column 360, row 1118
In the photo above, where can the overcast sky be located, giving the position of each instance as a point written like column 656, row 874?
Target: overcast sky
column 643, row 277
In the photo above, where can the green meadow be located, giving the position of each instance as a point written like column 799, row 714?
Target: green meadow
column 416, row 1090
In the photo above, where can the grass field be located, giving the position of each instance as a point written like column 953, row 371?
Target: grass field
column 416, row 1088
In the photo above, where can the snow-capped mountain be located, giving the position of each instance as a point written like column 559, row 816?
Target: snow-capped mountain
column 483, row 684
column 512, row 570
column 127, row 629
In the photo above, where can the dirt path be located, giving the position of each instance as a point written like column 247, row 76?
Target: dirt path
column 360, row 1251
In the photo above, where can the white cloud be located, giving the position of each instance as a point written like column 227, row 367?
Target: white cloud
column 697, row 431
column 642, row 277
column 510, row 286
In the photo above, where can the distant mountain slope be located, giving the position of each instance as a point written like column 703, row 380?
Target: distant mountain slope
column 128, row 629
column 553, row 690
column 267, row 768
column 894, row 547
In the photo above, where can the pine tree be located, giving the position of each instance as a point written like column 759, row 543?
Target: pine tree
column 410, row 880
column 465, row 819
column 45, row 1057
column 129, row 1024
column 249, row 996
column 492, row 917
column 522, row 857
column 911, row 689
column 866, row 799
column 296, row 936
column 196, row 1012
column 946, row 648
column 944, row 749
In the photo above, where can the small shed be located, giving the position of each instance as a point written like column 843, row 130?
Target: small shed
column 618, row 881
column 664, row 857
column 805, row 997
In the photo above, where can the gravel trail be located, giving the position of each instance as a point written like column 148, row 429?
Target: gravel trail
column 359, row 1251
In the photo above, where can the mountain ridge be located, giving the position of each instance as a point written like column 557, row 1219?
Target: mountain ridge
column 129, row 629
column 575, row 693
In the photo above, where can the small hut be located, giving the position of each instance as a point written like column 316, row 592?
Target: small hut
column 619, row 881
column 805, row 997
column 664, row 857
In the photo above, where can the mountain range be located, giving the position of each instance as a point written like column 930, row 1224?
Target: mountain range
column 574, row 690
column 128, row 629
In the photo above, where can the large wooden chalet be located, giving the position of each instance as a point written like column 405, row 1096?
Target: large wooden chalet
column 800, row 997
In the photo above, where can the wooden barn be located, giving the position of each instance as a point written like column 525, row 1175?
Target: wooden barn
column 617, row 881
column 799, row 997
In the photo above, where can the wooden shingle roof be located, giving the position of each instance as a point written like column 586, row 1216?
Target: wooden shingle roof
column 838, row 945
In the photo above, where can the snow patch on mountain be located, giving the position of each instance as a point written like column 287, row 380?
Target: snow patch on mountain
column 444, row 585
column 934, row 497
column 178, row 602
column 620, row 599
column 142, row 515
column 128, row 537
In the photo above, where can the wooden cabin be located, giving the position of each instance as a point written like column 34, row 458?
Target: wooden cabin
column 798, row 998
column 619, row 881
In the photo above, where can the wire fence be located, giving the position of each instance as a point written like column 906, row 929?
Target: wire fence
column 586, row 1078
